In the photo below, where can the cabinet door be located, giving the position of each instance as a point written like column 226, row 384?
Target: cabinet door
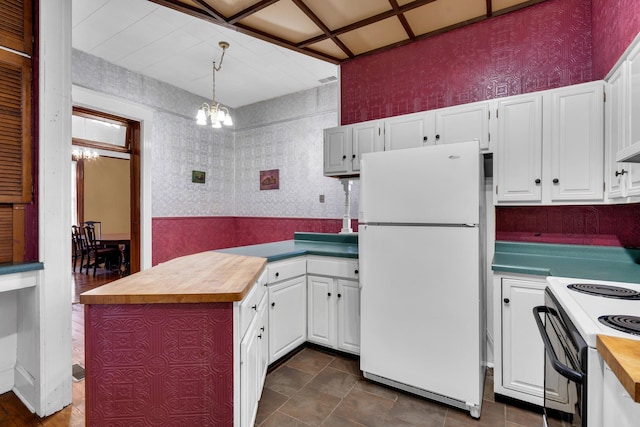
column 336, row 143
column 576, row 143
column 632, row 124
column 522, row 348
column 615, row 132
column 463, row 123
column 321, row 310
column 263, row 342
column 409, row 131
column 287, row 316
column 366, row 138
column 249, row 348
column 518, row 162
column 348, row 316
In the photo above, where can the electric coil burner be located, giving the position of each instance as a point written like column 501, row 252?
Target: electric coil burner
column 629, row 324
column 607, row 291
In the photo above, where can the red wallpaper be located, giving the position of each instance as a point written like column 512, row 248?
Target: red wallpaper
column 602, row 225
column 540, row 47
column 159, row 364
column 174, row 237
column 615, row 24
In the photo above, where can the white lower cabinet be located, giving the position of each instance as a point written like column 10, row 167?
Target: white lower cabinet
column 253, row 345
column 334, row 313
column 287, row 307
column 519, row 352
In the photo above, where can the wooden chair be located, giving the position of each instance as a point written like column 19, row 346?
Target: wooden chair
column 100, row 253
column 79, row 246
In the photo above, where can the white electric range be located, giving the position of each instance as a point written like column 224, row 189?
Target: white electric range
column 576, row 311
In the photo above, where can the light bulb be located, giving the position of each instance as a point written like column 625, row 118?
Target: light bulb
column 227, row 121
column 201, row 118
column 216, row 124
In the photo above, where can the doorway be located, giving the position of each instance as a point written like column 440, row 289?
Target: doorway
column 106, row 188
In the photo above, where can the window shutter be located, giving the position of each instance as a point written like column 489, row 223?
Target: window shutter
column 15, row 25
column 6, row 233
column 15, row 128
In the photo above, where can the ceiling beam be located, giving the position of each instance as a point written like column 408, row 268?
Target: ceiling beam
column 403, row 19
column 251, row 10
column 304, row 8
column 366, row 21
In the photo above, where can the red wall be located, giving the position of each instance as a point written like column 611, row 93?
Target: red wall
column 174, row 237
column 615, row 24
column 602, row 225
column 539, row 47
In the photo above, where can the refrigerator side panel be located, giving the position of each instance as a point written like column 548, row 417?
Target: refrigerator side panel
column 421, row 305
column 435, row 184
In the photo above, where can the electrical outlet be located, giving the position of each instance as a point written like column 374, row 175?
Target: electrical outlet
column 321, row 198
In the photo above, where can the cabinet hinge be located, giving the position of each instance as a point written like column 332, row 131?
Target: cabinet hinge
column 489, row 114
column 379, row 131
column 496, row 113
column 496, row 190
column 489, row 136
column 604, row 96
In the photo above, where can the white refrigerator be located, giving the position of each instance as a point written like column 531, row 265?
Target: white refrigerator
column 421, row 247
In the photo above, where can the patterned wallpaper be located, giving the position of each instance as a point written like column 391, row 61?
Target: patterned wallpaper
column 615, row 24
column 539, row 47
column 284, row 133
column 159, row 364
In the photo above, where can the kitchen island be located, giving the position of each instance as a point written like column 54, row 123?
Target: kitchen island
column 161, row 345
column 173, row 344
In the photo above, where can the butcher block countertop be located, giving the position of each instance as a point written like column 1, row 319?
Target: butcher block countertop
column 200, row 278
column 623, row 357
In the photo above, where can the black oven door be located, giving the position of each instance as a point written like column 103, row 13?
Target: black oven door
column 565, row 375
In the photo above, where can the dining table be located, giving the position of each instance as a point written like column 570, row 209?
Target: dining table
column 123, row 242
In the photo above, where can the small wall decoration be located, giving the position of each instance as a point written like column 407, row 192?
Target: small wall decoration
column 198, row 177
column 270, row 180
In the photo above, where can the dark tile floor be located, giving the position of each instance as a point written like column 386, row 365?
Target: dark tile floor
column 317, row 388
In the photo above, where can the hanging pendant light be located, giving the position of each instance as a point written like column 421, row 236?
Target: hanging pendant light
column 217, row 114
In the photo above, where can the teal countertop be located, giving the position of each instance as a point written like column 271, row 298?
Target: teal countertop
column 20, row 267
column 582, row 262
column 336, row 245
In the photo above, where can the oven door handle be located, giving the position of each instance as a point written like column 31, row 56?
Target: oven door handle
column 562, row 369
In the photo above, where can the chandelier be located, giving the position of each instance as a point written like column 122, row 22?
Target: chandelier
column 218, row 114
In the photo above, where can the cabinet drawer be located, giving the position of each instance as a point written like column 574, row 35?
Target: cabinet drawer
column 283, row 270
column 345, row 268
column 248, row 307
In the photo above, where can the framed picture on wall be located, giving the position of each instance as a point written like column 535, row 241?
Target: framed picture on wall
column 198, row 177
column 270, row 180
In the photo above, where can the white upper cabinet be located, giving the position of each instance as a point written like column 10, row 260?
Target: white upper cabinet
column 576, row 142
column 409, row 131
column 550, row 147
column 344, row 146
column 337, row 143
column 468, row 122
column 518, row 162
column 366, row 138
column 623, row 179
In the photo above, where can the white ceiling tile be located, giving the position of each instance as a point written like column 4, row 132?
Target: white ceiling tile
column 178, row 49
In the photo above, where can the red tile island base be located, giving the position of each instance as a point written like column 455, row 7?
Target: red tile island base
column 159, row 364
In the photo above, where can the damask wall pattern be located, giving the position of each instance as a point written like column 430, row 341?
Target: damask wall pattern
column 540, row 47
column 615, row 24
column 286, row 133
